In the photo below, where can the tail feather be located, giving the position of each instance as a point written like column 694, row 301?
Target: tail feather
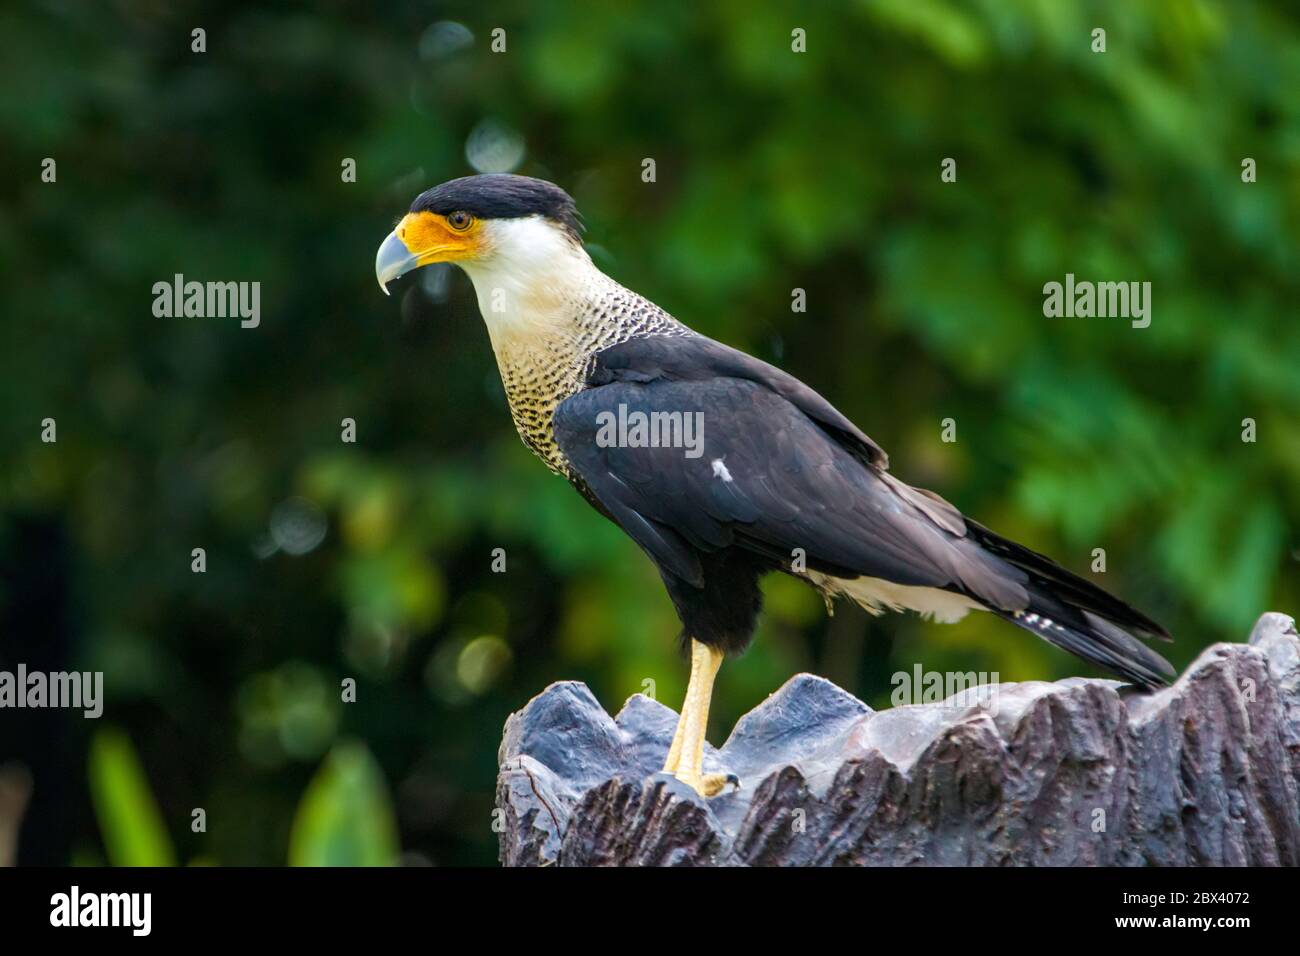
column 1093, row 638
column 1065, row 585
column 1077, row 616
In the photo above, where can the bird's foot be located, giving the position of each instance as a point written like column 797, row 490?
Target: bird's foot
column 709, row 784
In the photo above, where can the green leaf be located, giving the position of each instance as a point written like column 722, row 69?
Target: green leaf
column 345, row 817
column 132, row 826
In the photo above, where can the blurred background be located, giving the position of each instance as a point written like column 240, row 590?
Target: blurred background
column 775, row 170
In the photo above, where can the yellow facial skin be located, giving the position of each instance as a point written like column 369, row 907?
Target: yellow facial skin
column 425, row 237
column 434, row 238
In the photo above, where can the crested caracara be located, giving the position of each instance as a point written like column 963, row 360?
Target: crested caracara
column 729, row 468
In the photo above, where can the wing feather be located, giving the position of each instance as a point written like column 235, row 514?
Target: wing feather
column 788, row 485
column 779, row 470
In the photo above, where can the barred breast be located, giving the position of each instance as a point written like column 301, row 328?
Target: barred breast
column 541, row 370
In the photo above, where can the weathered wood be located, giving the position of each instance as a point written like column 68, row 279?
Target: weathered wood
column 1077, row 772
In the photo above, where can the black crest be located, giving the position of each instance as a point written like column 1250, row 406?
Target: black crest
column 502, row 196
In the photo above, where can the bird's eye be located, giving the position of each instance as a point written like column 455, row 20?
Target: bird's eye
column 460, row 221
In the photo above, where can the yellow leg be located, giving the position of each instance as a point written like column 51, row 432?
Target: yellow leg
column 686, row 755
column 675, row 751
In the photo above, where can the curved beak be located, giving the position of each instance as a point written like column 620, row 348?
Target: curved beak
column 393, row 260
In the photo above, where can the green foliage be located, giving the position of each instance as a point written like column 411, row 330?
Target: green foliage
column 129, row 819
column 345, row 818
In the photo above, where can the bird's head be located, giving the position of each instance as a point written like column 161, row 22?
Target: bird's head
column 495, row 220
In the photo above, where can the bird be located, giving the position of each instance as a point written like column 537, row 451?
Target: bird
column 722, row 467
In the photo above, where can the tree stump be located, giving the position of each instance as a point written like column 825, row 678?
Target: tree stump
column 1077, row 772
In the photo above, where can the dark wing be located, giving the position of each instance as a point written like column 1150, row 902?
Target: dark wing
column 774, row 467
column 696, row 358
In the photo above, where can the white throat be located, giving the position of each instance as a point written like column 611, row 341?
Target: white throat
column 532, row 280
column 548, row 309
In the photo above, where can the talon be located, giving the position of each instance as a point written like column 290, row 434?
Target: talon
column 712, row 784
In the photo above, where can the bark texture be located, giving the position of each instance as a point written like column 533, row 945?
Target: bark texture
column 1077, row 772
